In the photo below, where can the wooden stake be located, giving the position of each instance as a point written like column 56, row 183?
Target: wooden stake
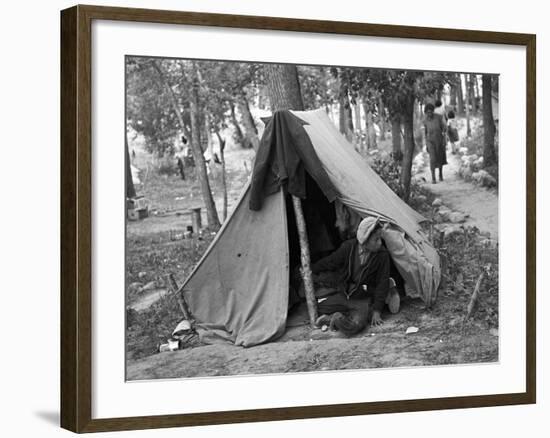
column 474, row 297
column 180, row 298
column 306, row 265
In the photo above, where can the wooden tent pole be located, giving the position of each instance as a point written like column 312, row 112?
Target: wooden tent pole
column 306, row 265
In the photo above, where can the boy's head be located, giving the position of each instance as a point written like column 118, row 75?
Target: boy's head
column 369, row 234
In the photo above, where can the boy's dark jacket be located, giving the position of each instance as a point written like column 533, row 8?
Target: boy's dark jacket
column 375, row 274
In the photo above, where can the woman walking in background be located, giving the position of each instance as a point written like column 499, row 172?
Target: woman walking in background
column 435, row 129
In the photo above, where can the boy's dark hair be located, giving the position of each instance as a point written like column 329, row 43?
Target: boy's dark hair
column 451, row 114
column 438, row 103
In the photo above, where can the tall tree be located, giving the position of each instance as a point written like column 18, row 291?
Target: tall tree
column 251, row 131
column 357, row 115
column 460, row 96
column 382, row 118
column 453, row 94
column 130, row 189
column 147, row 110
column 284, row 91
column 283, row 86
column 238, row 134
column 467, row 105
column 369, row 124
column 407, row 114
column 489, row 154
column 471, row 93
column 194, row 102
column 397, row 152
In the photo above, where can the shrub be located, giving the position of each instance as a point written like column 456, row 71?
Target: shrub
column 420, row 198
column 468, row 254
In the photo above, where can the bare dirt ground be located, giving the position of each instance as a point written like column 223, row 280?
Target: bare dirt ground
column 480, row 204
column 440, row 340
column 443, row 338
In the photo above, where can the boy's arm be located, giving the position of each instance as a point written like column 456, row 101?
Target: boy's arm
column 335, row 260
column 382, row 281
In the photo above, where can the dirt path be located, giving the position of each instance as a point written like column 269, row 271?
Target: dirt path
column 479, row 203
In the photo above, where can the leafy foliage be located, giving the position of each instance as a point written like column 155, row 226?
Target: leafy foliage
column 420, row 198
column 147, row 328
column 468, row 254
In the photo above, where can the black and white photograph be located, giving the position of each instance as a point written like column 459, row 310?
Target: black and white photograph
column 286, row 218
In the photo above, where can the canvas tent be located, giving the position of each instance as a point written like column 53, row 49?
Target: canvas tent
column 238, row 292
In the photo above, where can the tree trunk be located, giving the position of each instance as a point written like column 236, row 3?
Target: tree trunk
column 489, row 155
column 382, row 119
column 221, row 142
column 210, row 145
column 345, row 117
column 396, row 138
column 407, row 117
column 478, row 92
column 284, row 91
column 471, row 95
column 341, row 116
column 349, row 121
column 283, row 87
column 460, row 97
column 250, row 130
column 357, row 115
column 130, row 189
column 453, row 96
column 211, row 213
column 467, row 106
column 239, row 136
column 371, row 133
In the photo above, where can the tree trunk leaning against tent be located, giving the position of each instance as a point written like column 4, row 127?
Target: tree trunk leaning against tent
column 489, row 154
column 284, row 92
column 211, row 213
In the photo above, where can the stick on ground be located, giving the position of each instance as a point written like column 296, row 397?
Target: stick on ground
column 474, row 298
column 180, row 298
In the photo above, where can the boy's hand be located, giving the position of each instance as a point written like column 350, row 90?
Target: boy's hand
column 376, row 319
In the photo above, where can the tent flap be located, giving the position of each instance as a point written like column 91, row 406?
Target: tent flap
column 239, row 291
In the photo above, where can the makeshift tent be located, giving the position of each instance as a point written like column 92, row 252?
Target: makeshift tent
column 239, row 290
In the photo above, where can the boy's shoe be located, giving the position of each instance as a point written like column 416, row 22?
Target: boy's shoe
column 393, row 300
